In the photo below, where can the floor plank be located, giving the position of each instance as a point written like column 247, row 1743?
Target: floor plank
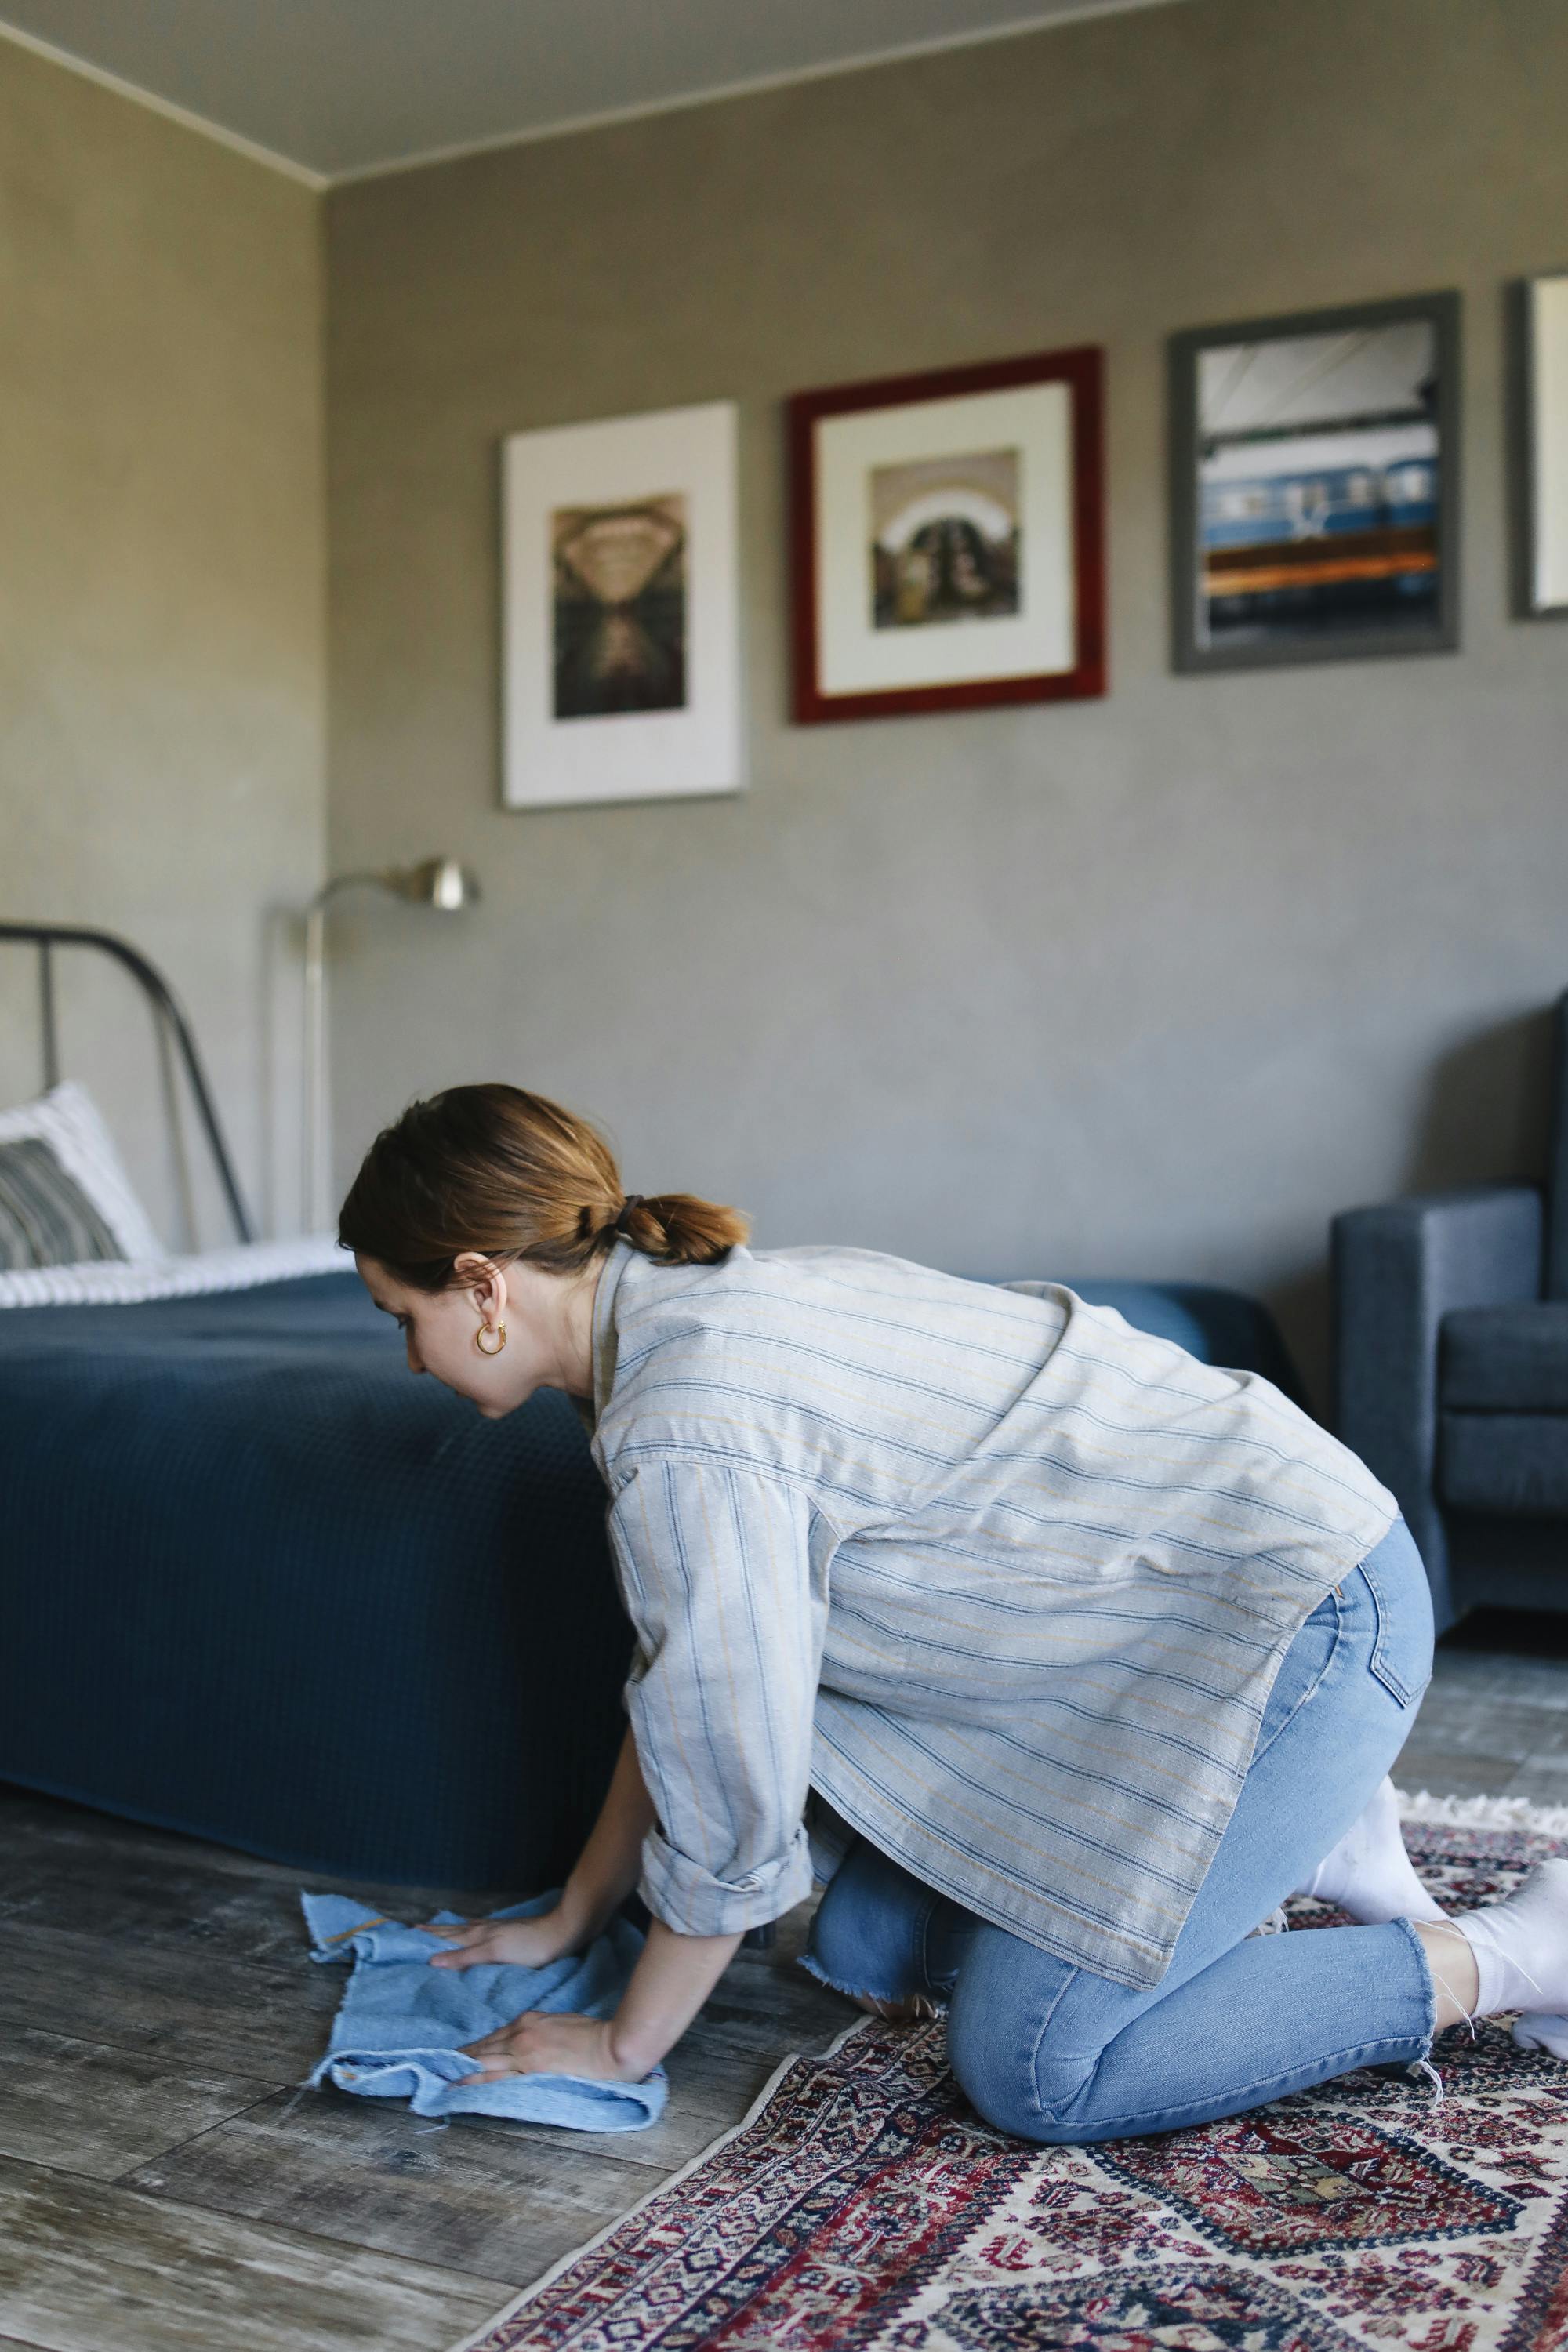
column 170, row 2001
column 497, row 2199
column 155, row 1883
column 485, row 2192
column 98, row 2111
column 84, row 2266
column 748, row 2009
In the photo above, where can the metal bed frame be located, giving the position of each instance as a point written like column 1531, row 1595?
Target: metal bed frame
column 168, row 1020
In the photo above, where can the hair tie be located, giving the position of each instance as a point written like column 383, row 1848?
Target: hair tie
column 633, row 1200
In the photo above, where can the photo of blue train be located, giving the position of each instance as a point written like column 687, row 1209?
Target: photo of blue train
column 1318, row 486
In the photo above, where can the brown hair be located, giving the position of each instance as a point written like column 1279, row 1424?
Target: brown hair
column 496, row 1170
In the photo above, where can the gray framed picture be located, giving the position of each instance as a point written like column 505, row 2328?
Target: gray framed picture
column 1314, row 466
column 1538, row 309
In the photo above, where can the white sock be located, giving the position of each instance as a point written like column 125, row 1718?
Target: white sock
column 1521, row 1947
column 1539, row 2030
column 1369, row 1874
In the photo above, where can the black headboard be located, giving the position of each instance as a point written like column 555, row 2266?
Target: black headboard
column 45, row 938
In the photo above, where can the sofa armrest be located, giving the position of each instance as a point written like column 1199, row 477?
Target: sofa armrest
column 1397, row 1270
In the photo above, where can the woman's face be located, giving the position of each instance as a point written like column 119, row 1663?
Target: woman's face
column 442, row 1329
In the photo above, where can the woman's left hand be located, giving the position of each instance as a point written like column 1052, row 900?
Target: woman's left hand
column 542, row 2042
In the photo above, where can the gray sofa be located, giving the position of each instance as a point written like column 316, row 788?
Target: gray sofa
column 1451, row 1364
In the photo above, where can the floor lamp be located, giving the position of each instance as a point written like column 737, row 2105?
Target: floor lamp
column 438, row 882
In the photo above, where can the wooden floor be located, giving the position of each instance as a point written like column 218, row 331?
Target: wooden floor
column 161, row 2191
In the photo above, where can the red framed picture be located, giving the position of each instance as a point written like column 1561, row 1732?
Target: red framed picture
column 948, row 539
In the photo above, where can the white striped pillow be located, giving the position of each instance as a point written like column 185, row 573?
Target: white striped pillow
column 45, row 1218
column 66, row 1119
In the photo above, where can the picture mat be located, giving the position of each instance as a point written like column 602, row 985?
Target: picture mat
column 641, row 755
column 1549, row 434
column 857, row 658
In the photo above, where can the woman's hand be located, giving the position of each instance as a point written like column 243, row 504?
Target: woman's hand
column 538, row 2042
column 521, row 1943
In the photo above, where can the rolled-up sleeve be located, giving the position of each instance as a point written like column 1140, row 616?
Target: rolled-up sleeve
column 727, row 1590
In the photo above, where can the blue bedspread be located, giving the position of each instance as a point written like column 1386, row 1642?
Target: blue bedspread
column 262, row 1584
column 258, row 1583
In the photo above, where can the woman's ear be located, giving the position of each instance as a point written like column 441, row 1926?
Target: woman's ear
column 485, row 1283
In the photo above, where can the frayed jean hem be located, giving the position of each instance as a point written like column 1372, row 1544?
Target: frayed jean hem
column 851, row 1992
column 937, row 2002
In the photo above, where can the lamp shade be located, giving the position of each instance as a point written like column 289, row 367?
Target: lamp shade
column 444, row 883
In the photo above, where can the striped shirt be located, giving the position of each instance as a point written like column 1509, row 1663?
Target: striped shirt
column 980, row 1572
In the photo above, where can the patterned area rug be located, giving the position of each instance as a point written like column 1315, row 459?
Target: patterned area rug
column 862, row 2205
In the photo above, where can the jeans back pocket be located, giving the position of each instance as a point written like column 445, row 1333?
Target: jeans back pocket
column 1402, row 1654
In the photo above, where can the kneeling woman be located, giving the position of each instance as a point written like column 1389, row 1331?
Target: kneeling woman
column 1063, row 1657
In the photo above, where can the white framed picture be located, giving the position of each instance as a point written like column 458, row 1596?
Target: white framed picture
column 1545, row 354
column 621, row 619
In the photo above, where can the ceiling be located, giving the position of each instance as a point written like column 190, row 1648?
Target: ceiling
column 333, row 88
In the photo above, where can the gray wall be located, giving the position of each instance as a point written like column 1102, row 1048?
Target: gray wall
column 1149, row 986
column 162, row 579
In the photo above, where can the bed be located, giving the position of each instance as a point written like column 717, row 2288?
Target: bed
column 261, row 1586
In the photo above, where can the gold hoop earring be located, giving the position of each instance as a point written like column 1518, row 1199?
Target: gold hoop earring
column 498, row 1335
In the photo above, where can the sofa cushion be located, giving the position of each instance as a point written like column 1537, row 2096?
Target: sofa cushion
column 1506, row 1359
column 1504, row 1462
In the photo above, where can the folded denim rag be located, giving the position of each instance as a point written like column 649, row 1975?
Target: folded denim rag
column 399, row 2026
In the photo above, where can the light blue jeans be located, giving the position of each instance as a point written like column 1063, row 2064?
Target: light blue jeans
column 1052, row 2051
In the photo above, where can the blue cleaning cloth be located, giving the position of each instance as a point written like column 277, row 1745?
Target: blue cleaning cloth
column 397, row 2031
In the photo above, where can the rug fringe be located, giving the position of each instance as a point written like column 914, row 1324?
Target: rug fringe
column 521, row 2302
column 1483, row 1813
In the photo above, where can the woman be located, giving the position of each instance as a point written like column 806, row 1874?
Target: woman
column 1062, row 1657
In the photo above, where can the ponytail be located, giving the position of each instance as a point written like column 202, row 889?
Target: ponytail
column 680, row 1228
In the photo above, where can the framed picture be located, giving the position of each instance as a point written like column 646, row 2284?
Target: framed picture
column 621, row 610
column 1315, row 485
column 1539, row 309
column 947, row 538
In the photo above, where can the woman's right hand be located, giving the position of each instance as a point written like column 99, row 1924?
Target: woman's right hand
column 524, row 1942
column 605, row 1874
